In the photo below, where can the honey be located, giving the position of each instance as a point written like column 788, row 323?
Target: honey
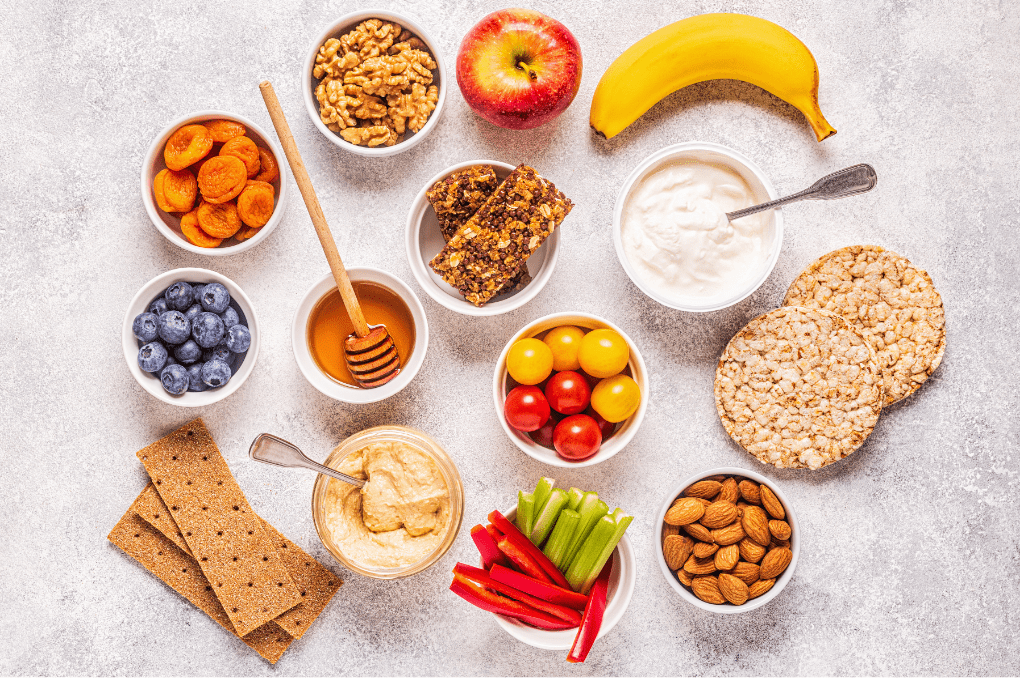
column 329, row 325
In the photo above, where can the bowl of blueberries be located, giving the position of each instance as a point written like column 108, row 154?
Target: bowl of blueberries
column 190, row 337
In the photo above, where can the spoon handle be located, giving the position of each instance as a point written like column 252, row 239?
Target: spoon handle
column 851, row 181
column 271, row 449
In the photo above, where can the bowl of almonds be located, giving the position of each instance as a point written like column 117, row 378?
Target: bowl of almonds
column 728, row 540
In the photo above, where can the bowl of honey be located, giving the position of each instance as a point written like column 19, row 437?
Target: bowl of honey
column 322, row 324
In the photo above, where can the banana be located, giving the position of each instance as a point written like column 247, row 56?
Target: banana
column 708, row 47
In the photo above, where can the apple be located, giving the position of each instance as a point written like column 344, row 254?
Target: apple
column 518, row 68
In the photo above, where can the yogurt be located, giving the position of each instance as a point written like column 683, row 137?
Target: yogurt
column 677, row 239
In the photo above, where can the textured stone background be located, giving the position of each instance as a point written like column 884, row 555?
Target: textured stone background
column 910, row 549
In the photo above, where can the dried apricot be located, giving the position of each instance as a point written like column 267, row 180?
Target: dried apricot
column 246, row 150
column 180, row 190
column 269, row 171
column 246, row 233
column 219, row 220
column 193, row 232
column 186, row 146
column 223, row 130
column 157, row 191
column 221, row 178
column 255, row 203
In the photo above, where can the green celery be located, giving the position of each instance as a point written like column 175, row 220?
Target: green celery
column 575, row 496
column 542, row 490
column 590, row 509
column 525, row 512
column 546, row 517
column 597, row 550
column 559, row 539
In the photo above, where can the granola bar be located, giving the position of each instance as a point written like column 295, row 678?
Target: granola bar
column 486, row 253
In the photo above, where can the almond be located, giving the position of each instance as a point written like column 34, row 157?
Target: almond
column 727, row 557
column 733, row 589
column 706, row 488
column 756, row 524
column 699, row 533
column 707, row 588
column 778, row 543
column 746, row 572
column 771, row 503
column 704, row 502
column 669, row 530
column 780, row 529
column 716, row 478
column 759, row 588
column 719, row 514
column 684, row 511
column 729, row 491
column 676, row 550
column 751, row 551
column 684, row 577
column 729, row 535
column 749, row 490
column 775, row 562
column 703, row 550
column 697, row 565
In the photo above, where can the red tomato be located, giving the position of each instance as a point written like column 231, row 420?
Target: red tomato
column 543, row 436
column 526, row 408
column 577, row 437
column 605, row 426
column 568, row 392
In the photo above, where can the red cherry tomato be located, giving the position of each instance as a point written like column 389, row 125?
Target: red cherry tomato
column 543, row 436
column 577, row 437
column 605, row 426
column 568, row 392
column 526, row 408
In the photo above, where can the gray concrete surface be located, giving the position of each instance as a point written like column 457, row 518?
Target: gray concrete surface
column 911, row 551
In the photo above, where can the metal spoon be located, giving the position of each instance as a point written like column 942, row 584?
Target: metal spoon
column 271, row 449
column 851, row 181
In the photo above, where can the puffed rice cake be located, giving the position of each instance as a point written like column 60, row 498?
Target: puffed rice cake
column 892, row 302
column 798, row 388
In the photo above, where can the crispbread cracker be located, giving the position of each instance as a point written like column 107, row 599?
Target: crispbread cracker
column 165, row 561
column 798, row 388
column 219, row 526
column 890, row 301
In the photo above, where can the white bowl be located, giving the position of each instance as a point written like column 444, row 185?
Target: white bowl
column 330, row 387
column 424, row 241
column 686, row 594
column 169, row 224
column 716, row 153
column 342, row 26
column 140, row 303
column 625, row 431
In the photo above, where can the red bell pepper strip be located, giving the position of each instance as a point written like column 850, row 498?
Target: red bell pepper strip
column 487, row 547
column 522, row 560
column 540, row 589
column 588, row 631
column 523, row 543
column 481, row 577
column 498, row 604
column 494, row 532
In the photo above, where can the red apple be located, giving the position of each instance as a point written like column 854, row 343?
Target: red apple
column 518, row 68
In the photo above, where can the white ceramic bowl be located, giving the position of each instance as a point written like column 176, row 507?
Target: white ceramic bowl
column 763, row 192
column 140, row 303
column 424, row 241
column 332, row 388
column 686, row 594
column 169, row 224
column 625, row 431
column 342, row 26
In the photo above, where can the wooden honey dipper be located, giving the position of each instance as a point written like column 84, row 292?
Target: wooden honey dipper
column 370, row 352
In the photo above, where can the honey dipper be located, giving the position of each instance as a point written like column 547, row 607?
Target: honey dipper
column 370, row 352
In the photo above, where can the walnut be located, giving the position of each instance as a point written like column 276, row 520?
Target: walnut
column 379, row 75
column 371, row 38
column 370, row 107
column 376, row 135
column 414, row 107
column 335, row 104
column 329, row 63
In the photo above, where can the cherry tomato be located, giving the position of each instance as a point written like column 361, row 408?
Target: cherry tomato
column 568, row 392
column 577, row 437
column 603, row 353
column 529, row 361
column 543, row 436
column 565, row 342
column 616, row 398
column 526, row 408
column 605, row 426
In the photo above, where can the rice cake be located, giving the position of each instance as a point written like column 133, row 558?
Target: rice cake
column 890, row 301
column 798, row 388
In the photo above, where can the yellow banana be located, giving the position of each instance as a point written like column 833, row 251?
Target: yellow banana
column 708, row 47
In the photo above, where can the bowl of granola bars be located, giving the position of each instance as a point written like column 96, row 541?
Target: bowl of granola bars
column 474, row 209
column 374, row 83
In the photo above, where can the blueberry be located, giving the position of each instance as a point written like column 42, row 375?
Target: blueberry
column 218, row 352
column 230, row 317
column 238, row 339
column 195, row 383
column 173, row 327
column 179, row 296
column 193, row 311
column 170, row 358
column 215, row 298
column 188, row 353
column 144, row 326
column 175, row 379
column 152, row 357
column 215, row 373
column 208, row 330
column 196, row 291
column 159, row 306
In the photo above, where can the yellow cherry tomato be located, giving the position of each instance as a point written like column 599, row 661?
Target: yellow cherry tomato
column 565, row 343
column 603, row 353
column 530, row 361
column 616, row 398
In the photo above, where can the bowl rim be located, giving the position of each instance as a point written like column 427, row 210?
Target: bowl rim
column 420, row 271
column 757, row 602
column 619, row 440
column 349, row 20
column 140, row 303
column 155, row 152
column 331, row 388
column 662, row 156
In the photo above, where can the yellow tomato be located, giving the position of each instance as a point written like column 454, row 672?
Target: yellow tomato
column 565, row 342
column 616, row 398
column 603, row 353
column 530, row 361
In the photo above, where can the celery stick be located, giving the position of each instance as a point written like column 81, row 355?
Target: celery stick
column 546, row 518
column 525, row 512
column 542, row 490
column 596, row 554
column 559, row 539
column 574, row 495
column 583, row 562
column 591, row 509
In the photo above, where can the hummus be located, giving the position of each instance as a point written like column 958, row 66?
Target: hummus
column 400, row 516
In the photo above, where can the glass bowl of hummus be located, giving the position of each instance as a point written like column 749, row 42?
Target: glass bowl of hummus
column 406, row 516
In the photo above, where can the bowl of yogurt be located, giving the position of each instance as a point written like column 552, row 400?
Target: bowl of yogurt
column 672, row 235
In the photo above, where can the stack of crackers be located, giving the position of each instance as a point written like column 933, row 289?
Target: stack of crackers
column 193, row 529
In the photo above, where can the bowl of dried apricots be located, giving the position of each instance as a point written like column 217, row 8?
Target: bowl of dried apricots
column 214, row 183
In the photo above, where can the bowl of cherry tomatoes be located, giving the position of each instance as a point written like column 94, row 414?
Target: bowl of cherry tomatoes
column 570, row 389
